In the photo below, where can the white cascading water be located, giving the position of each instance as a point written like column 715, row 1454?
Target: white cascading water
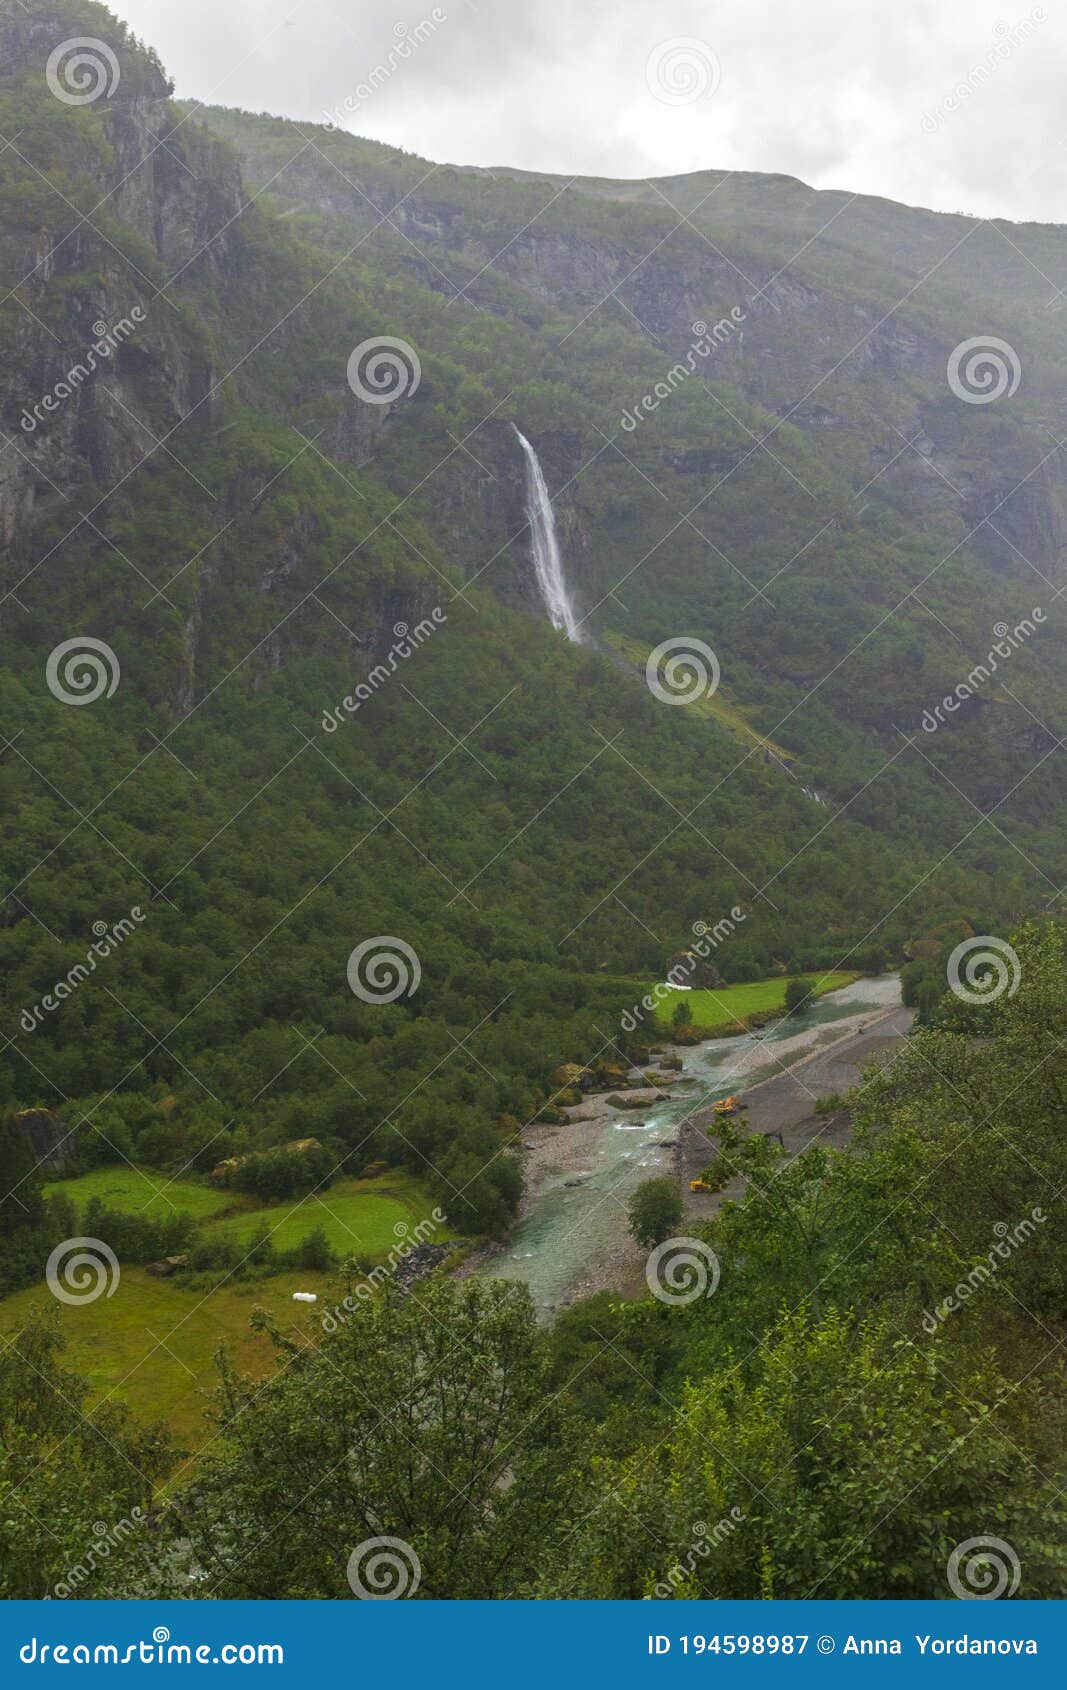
column 547, row 560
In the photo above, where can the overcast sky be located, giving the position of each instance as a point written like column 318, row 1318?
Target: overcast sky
column 954, row 104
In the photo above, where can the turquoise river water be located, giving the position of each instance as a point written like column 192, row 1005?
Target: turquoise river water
column 568, row 1227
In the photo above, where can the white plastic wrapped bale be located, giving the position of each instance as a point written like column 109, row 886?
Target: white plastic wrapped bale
column 305, row 1297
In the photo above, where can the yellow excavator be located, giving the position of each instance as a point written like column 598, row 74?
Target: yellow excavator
column 727, row 1106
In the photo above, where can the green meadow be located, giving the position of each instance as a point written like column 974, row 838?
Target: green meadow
column 151, row 1345
column 728, row 1005
column 142, row 1191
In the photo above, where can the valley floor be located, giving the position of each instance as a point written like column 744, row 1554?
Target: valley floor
column 573, row 1240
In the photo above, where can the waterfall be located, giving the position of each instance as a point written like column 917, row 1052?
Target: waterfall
column 547, row 560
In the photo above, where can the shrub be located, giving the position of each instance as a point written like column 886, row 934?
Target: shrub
column 655, row 1210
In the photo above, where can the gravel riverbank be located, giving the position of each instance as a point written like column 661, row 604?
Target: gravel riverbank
column 571, row 1238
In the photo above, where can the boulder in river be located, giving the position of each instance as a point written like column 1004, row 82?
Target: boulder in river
column 611, row 1076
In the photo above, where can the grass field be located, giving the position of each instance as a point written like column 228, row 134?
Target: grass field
column 146, row 1191
column 151, row 1345
column 362, row 1217
column 729, row 1004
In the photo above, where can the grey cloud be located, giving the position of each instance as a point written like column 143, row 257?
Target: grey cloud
column 949, row 103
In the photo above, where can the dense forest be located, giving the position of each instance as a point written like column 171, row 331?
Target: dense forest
column 212, row 541
column 878, row 1371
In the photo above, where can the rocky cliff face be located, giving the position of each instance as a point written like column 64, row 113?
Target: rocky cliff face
column 103, row 358
column 50, row 1140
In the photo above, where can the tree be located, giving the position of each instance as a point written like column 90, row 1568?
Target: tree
column 797, row 993
column 655, row 1211
column 927, row 1001
column 63, row 1470
column 807, row 1473
column 29, row 1223
column 426, row 1417
column 683, row 1015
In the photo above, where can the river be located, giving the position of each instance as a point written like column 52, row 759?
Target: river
column 567, row 1227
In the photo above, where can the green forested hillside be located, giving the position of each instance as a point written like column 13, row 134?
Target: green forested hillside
column 198, row 847
column 246, row 535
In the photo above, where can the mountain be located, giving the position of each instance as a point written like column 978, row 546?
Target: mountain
column 738, row 390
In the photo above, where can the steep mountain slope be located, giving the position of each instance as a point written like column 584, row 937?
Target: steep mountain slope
column 810, row 484
column 189, row 476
